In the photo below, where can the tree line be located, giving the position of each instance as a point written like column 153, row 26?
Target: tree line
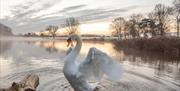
column 71, row 26
column 156, row 23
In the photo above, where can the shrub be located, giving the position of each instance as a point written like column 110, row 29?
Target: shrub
column 166, row 45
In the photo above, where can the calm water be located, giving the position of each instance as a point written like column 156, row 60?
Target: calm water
column 143, row 71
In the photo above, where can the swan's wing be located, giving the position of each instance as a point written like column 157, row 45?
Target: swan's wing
column 98, row 63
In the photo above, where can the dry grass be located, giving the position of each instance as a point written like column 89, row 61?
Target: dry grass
column 166, row 45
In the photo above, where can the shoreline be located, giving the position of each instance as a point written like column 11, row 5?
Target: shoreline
column 162, row 45
column 56, row 38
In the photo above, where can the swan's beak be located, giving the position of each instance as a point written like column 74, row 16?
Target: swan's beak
column 69, row 41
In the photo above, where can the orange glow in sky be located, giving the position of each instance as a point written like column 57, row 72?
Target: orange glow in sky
column 95, row 28
column 98, row 28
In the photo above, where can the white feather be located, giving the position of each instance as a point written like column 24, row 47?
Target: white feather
column 95, row 65
column 98, row 63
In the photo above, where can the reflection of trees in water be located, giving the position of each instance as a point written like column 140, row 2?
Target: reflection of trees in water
column 163, row 64
column 94, row 41
column 48, row 45
column 54, row 46
column 51, row 48
column 4, row 46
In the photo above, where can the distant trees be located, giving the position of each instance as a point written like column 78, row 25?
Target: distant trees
column 29, row 34
column 52, row 30
column 131, row 28
column 126, row 28
column 161, row 14
column 157, row 23
column 118, row 25
column 176, row 7
column 72, row 25
column 149, row 27
column 42, row 34
column 134, row 25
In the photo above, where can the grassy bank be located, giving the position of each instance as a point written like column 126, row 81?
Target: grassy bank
column 165, row 45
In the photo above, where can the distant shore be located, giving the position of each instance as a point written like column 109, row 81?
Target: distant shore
column 99, row 38
column 163, row 45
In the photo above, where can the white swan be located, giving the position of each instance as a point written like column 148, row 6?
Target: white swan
column 94, row 66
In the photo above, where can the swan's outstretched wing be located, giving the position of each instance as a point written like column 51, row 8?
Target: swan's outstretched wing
column 98, row 63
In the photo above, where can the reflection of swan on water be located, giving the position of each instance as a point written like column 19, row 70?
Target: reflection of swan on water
column 94, row 66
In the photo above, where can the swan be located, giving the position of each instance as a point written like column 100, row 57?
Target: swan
column 94, row 66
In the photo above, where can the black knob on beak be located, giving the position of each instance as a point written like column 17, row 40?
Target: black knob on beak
column 69, row 41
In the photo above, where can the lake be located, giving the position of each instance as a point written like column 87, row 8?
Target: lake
column 142, row 71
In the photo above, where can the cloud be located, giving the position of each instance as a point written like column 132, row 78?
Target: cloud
column 83, row 15
column 24, row 8
column 23, row 21
column 72, row 8
column 64, row 10
column 31, row 7
column 98, row 14
column 40, row 24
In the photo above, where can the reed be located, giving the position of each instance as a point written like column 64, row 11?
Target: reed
column 166, row 45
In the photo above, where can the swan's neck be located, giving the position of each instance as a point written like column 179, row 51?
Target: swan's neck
column 75, row 52
column 77, row 48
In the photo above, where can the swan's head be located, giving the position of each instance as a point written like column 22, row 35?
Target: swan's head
column 71, row 38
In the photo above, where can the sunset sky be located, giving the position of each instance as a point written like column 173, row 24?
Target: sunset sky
column 95, row 15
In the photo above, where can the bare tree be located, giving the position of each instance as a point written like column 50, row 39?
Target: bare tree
column 126, row 29
column 148, row 26
column 135, row 19
column 118, row 25
column 72, row 25
column 151, row 16
column 176, row 7
column 161, row 14
column 52, row 30
column 131, row 24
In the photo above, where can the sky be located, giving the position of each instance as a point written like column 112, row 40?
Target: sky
column 94, row 15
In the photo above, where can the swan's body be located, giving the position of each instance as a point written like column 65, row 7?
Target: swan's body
column 94, row 66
